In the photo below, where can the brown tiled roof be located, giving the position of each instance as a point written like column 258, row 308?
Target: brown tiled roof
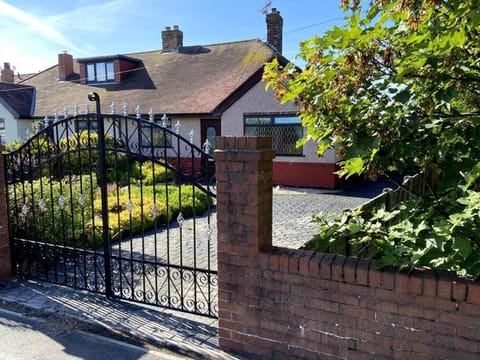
column 19, row 98
column 21, row 77
column 192, row 80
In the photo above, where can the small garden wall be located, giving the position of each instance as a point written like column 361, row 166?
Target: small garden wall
column 282, row 303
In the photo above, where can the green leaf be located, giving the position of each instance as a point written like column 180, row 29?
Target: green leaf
column 351, row 167
column 462, row 246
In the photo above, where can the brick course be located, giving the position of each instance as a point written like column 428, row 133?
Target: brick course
column 283, row 303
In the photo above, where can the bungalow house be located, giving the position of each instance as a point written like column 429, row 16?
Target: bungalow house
column 212, row 89
column 17, row 106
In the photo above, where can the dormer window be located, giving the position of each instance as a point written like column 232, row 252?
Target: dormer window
column 103, row 71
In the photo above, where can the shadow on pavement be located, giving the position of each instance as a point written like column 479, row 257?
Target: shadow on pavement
column 359, row 187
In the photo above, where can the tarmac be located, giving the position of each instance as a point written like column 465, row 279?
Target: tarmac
column 190, row 335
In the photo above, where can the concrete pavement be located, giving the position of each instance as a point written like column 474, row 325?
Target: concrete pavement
column 50, row 338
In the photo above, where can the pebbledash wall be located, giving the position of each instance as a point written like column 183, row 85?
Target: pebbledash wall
column 278, row 303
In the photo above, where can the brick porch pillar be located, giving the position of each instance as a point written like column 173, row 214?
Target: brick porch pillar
column 5, row 260
column 244, row 168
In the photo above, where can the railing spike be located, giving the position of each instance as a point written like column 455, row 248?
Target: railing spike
column 164, row 120
column 207, row 146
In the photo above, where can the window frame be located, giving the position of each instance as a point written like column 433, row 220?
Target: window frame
column 273, row 120
column 93, row 70
column 151, row 144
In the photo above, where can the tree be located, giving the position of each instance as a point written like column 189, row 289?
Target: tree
column 397, row 89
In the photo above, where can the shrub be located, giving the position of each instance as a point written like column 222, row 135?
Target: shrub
column 79, row 155
column 141, row 217
column 46, row 217
column 438, row 233
column 154, row 173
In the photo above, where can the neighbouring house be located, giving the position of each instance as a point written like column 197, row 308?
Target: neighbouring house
column 17, row 107
column 212, row 89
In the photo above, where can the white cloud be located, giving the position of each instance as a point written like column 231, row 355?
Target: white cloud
column 44, row 29
column 100, row 17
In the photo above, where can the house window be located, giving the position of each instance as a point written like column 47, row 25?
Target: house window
column 153, row 136
column 285, row 131
column 84, row 124
column 100, row 72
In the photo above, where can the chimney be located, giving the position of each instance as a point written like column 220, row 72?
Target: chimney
column 275, row 29
column 65, row 66
column 171, row 39
column 7, row 74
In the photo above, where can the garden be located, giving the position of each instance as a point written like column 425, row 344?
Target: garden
column 59, row 202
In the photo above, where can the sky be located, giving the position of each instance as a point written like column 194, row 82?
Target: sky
column 33, row 33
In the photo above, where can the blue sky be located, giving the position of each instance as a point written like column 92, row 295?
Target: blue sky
column 33, row 32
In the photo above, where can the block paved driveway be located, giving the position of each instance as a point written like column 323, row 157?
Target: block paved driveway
column 293, row 209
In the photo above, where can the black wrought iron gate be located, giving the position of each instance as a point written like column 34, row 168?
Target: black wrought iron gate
column 118, row 205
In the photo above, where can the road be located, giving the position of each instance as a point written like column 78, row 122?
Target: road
column 24, row 337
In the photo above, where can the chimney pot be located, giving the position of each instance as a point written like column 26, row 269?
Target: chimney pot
column 275, row 29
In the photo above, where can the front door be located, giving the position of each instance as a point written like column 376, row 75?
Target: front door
column 210, row 128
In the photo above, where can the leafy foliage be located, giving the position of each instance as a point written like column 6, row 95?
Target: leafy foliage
column 420, row 232
column 145, row 201
column 396, row 89
column 51, row 222
column 79, row 155
column 153, row 172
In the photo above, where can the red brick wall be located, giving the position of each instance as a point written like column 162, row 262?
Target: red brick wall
column 283, row 303
column 122, row 69
column 5, row 265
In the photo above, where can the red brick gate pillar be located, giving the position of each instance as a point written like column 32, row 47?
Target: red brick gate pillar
column 244, row 220
column 5, row 264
